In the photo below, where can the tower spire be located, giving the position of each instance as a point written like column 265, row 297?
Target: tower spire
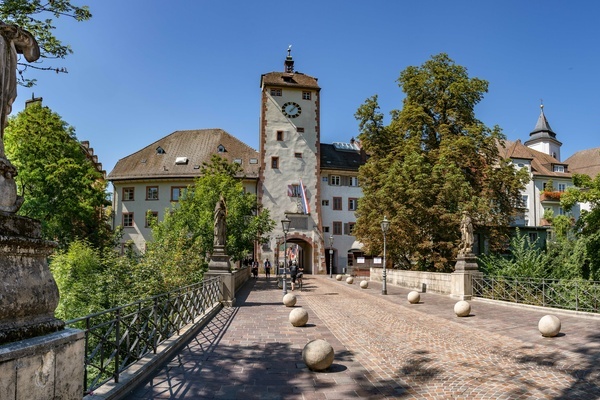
column 289, row 62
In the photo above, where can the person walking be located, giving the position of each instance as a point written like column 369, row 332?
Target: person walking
column 255, row 269
column 294, row 273
column 267, row 268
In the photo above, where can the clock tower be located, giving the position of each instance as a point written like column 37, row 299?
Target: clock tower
column 289, row 169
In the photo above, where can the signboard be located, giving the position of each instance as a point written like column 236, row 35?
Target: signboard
column 360, row 260
column 376, row 260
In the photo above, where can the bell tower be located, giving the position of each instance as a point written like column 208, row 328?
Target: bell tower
column 289, row 159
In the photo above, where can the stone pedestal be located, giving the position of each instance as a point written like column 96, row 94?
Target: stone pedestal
column 28, row 292
column 44, row 367
column 228, row 288
column 462, row 277
column 219, row 260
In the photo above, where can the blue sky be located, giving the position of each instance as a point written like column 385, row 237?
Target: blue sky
column 142, row 69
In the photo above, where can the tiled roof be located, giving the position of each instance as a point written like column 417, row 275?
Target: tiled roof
column 340, row 160
column 541, row 163
column 285, row 79
column 585, row 162
column 196, row 145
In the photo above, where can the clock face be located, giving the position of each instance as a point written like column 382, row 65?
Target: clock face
column 291, row 109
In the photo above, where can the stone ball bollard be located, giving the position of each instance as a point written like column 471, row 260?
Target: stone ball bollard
column 289, row 300
column 549, row 325
column 318, row 355
column 349, row 280
column 413, row 297
column 462, row 308
column 364, row 284
column 339, row 277
column 298, row 317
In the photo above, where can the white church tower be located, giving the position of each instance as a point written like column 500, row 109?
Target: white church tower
column 289, row 162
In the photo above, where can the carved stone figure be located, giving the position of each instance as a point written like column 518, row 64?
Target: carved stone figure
column 13, row 41
column 466, row 231
column 220, row 230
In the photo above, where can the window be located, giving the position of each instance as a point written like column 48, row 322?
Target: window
column 525, row 201
column 151, row 192
column 127, row 220
column 177, row 192
column 559, row 168
column 353, row 181
column 298, row 155
column 325, row 203
column 325, row 229
column 221, row 149
column 533, row 237
column 300, row 130
column 305, row 95
column 352, row 204
column 561, row 211
column 128, row 194
column 325, row 179
column 294, row 191
column 279, row 136
column 349, row 228
column 337, row 228
column 334, row 180
column 337, row 203
column 562, row 187
column 275, row 162
column 151, row 216
column 275, row 92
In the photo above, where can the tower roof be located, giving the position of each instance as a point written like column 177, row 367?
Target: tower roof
column 542, row 130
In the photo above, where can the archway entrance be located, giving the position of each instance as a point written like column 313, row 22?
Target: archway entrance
column 297, row 250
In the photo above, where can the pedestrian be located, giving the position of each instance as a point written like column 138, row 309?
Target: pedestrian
column 268, row 268
column 294, row 273
column 255, row 269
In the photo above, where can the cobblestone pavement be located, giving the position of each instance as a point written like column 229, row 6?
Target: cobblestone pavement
column 385, row 348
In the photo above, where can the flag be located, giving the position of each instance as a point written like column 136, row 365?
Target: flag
column 304, row 199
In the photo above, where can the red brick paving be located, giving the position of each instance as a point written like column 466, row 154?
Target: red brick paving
column 385, row 349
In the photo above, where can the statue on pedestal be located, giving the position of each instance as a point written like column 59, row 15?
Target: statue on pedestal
column 13, row 41
column 220, row 229
column 467, row 238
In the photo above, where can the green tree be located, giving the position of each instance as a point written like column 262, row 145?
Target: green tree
column 183, row 240
column 36, row 16
column 433, row 161
column 62, row 188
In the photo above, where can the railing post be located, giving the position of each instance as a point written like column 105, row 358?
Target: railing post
column 543, row 292
column 117, row 341
column 156, row 328
column 576, row 296
column 87, row 342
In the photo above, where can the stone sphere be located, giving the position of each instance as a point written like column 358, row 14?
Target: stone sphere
column 364, row 284
column 462, row 308
column 339, row 277
column 289, row 300
column 349, row 280
column 413, row 297
column 298, row 317
column 549, row 325
column 318, row 355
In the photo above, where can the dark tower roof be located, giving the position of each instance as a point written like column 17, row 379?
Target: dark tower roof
column 542, row 130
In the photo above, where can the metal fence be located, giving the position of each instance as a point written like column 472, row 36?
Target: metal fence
column 116, row 338
column 578, row 295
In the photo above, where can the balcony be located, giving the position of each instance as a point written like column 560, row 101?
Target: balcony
column 550, row 197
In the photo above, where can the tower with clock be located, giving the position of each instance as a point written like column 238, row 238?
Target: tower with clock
column 289, row 172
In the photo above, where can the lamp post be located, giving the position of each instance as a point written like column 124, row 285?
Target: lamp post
column 331, row 256
column 385, row 225
column 285, row 224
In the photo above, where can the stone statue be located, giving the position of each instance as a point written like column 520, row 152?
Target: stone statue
column 13, row 41
column 220, row 230
column 466, row 232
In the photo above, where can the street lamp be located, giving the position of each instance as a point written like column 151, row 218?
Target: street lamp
column 285, row 224
column 385, row 225
column 331, row 256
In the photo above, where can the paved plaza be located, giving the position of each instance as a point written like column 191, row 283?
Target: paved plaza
column 385, row 348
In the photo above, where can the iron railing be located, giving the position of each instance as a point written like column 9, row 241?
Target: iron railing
column 578, row 295
column 116, row 338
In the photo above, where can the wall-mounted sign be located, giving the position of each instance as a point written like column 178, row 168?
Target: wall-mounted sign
column 376, row 260
column 360, row 260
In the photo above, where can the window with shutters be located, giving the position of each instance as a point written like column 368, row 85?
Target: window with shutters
column 337, row 203
column 337, row 227
column 349, row 228
column 354, row 181
column 352, row 204
column 334, row 180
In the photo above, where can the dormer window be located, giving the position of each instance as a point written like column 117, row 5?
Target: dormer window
column 221, row 149
column 559, row 168
column 160, row 150
column 181, row 161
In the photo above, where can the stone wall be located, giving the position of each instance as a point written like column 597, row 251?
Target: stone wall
column 435, row 282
